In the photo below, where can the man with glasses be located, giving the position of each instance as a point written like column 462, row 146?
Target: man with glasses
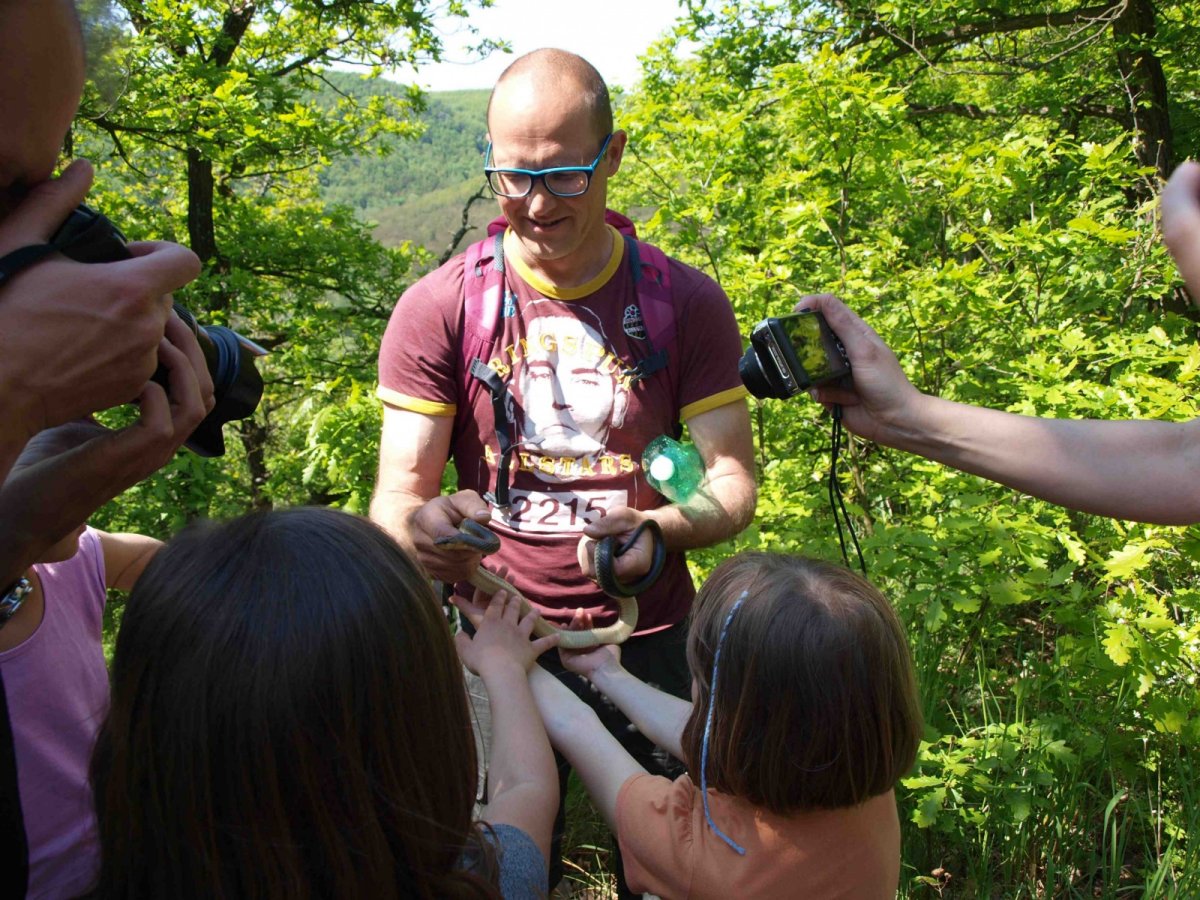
column 564, row 354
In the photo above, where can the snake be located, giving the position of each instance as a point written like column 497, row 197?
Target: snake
column 474, row 536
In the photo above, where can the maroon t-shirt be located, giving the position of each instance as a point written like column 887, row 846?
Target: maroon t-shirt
column 581, row 425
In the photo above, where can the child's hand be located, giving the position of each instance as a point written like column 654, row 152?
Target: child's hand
column 588, row 662
column 501, row 635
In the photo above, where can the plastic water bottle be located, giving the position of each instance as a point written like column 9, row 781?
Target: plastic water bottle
column 673, row 469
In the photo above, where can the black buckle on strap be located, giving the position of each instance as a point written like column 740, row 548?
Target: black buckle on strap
column 502, row 414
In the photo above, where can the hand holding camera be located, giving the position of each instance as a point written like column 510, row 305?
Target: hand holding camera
column 1181, row 223
column 879, row 403
column 791, row 353
column 77, row 339
column 227, row 374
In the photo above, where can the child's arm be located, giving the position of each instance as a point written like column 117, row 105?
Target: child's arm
column 125, row 556
column 523, row 779
column 658, row 715
column 577, row 733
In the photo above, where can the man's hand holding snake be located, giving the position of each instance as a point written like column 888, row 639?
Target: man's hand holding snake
column 620, row 522
column 441, row 517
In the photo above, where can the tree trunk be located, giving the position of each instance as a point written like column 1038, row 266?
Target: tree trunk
column 202, row 233
column 254, row 440
column 1145, row 87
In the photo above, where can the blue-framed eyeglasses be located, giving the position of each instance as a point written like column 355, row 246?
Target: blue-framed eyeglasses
column 561, row 181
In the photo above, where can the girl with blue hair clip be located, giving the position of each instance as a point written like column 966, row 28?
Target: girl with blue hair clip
column 804, row 714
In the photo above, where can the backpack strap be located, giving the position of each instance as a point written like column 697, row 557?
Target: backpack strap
column 485, row 298
column 652, row 283
column 502, row 414
column 483, row 286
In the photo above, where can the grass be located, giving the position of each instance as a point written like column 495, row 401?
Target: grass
column 587, row 849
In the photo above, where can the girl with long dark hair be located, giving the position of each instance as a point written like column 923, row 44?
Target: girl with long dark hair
column 288, row 719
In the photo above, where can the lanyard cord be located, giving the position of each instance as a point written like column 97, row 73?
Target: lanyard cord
column 836, row 503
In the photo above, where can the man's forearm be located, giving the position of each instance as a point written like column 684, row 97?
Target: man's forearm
column 1142, row 469
column 393, row 511
column 41, row 504
column 722, row 507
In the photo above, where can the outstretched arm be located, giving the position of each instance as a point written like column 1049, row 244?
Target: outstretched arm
column 658, row 715
column 523, row 779
column 577, row 733
column 1142, row 470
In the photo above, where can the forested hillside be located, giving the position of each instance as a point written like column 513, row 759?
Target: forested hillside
column 978, row 180
column 414, row 190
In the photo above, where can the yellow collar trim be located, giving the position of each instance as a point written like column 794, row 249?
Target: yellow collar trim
column 512, row 256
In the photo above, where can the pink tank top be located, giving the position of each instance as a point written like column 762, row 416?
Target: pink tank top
column 56, row 685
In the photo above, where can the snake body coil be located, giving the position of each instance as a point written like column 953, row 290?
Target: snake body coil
column 476, row 537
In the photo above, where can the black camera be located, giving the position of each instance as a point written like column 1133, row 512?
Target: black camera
column 791, row 353
column 88, row 236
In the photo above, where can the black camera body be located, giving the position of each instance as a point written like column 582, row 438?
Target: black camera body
column 789, row 354
column 89, row 237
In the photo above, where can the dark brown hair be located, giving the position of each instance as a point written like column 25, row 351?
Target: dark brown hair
column 816, row 703
column 288, row 719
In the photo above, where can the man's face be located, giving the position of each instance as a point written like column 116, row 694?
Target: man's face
column 570, row 395
column 530, row 130
column 41, row 80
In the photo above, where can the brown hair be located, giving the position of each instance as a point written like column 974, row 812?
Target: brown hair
column 559, row 70
column 288, row 719
column 816, row 702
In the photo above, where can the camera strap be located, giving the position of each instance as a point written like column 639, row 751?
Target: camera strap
column 97, row 235
column 23, row 258
column 837, row 505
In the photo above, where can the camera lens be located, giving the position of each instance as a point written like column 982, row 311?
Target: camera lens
column 754, row 378
column 237, row 386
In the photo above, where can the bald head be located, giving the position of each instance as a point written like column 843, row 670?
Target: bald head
column 557, row 73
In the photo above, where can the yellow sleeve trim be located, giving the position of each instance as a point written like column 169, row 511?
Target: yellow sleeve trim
column 512, row 255
column 712, row 402
column 414, row 404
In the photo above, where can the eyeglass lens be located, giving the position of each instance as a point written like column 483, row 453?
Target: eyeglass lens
column 518, row 184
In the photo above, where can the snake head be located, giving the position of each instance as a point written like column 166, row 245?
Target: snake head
column 473, row 536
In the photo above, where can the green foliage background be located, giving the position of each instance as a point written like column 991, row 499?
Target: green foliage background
column 978, row 181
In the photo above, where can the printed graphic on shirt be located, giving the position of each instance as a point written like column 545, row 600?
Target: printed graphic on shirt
column 632, row 322
column 571, row 393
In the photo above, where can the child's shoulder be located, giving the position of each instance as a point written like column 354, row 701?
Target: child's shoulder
column 85, row 565
column 658, row 791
